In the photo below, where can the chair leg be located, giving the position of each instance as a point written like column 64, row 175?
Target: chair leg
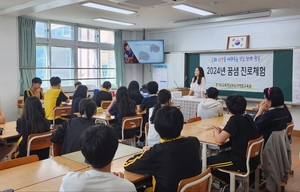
column 133, row 142
column 232, row 182
column 257, row 178
column 246, row 184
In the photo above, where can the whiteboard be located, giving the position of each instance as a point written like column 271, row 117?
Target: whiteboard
column 176, row 69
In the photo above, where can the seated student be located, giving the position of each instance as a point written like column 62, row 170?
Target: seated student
column 149, row 102
column 122, row 106
column 134, row 92
column 98, row 145
column 79, row 94
column 211, row 106
column 2, row 116
column 32, row 121
column 77, row 84
column 240, row 128
column 164, row 99
column 53, row 98
column 172, row 160
column 70, row 130
column 103, row 94
column 273, row 115
column 35, row 89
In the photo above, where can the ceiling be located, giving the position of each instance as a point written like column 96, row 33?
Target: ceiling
column 150, row 14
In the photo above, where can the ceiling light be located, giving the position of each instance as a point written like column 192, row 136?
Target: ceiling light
column 113, row 21
column 107, row 8
column 221, row 18
column 192, row 9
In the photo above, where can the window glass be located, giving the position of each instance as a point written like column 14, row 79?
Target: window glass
column 60, row 31
column 107, row 37
column 41, row 29
column 62, row 57
column 87, row 35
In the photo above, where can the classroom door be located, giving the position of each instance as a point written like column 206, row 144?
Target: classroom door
column 193, row 61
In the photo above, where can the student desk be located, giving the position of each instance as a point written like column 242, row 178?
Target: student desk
column 9, row 131
column 54, row 183
column 123, row 150
column 36, row 172
column 203, row 131
column 188, row 106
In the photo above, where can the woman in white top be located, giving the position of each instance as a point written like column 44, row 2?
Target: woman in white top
column 198, row 83
column 164, row 99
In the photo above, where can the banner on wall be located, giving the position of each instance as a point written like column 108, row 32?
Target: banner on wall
column 238, row 71
column 296, row 76
column 160, row 75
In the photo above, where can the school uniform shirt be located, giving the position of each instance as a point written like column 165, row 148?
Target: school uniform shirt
column 147, row 103
column 101, row 95
column 210, row 108
column 274, row 119
column 137, row 98
column 70, row 132
column 93, row 180
column 198, row 88
column 241, row 129
column 25, row 131
column 168, row 162
column 153, row 137
column 53, row 98
column 28, row 93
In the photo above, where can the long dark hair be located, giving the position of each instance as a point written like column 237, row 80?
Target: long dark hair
column 133, row 88
column 127, row 107
column 162, row 97
column 34, row 115
column 201, row 74
column 80, row 92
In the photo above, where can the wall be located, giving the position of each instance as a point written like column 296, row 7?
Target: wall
column 9, row 66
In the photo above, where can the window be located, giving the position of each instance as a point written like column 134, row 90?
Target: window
column 86, row 59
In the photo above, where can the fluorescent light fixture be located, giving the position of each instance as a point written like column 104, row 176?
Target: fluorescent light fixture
column 107, row 8
column 221, row 18
column 113, row 21
column 192, row 10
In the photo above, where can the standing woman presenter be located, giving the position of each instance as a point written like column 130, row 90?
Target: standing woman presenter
column 197, row 86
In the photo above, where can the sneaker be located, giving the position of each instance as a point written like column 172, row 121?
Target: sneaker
column 225, row 188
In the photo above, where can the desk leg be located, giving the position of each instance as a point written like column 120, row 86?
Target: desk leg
column 204, row 156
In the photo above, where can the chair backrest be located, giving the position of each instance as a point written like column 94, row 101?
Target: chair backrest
column 18, row 161
column 201, row 182
column 38, row 141
column 132, row 122
column 289, row 128
column 20, row 102
column 61, row 111
column 193, row 119
column 105, row 104
column 254, row 149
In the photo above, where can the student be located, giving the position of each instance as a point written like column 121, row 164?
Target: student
column 240, row 128
column 172, row 160
column 32, row 121
column 122, row 106
column 164, row 99
column 53, row 98
column 197, row 86
column 77, row 84
column 211, row 106
column 129, row 55
column 103, row 94
column 2, row 116
column 273, row 115
column 149, row 102
column 134, row 92
column 70, row 130
column 79, row 94
column 98, row 145
column 35, row 89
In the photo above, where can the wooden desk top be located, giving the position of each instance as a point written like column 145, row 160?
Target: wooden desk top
column 202, row 129
column 32, row 173
column 9, row 130
column 102, row 115
column 248, row 108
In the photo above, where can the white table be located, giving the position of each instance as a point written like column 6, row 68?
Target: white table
column 188, row 106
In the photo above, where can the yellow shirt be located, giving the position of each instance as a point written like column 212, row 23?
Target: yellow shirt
column 52, row 99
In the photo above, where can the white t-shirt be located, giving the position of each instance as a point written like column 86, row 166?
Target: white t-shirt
column 209, row 108
column 93, row 180
column 198, row 88
column 153, row 137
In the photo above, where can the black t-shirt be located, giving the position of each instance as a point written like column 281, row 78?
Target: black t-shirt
column 148, row 103
column 241, row 129
column 138, row 98
column 101, row 95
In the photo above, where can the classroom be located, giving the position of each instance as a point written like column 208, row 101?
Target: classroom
column 280, row 31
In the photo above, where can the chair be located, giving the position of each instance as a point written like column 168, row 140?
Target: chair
column 101, row 121
column 57, row 148
column 146, row 133
column 105, row 104
column 20, row 107
column 193, row 119
column 38, row 141
column 18, row 161
column 131, row 122
column 201, row 182
column 60, row 111
column 289, row 130
column 254, row 149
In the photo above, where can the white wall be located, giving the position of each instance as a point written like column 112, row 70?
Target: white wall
column 9, row 66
